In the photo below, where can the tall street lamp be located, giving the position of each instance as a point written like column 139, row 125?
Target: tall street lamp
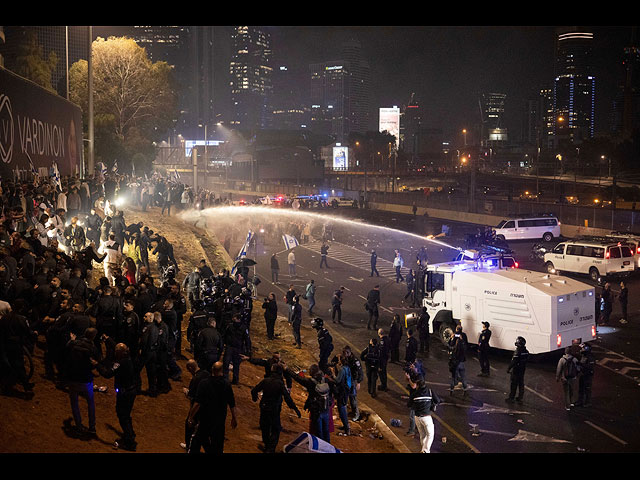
column 91, row 164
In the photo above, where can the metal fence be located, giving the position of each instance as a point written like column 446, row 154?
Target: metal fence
column 598, row 217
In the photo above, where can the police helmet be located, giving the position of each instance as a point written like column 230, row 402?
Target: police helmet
column 317, row 323
column 520, row 342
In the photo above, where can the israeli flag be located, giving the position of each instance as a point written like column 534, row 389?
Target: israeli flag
column 243, row 251
column 290, row 241
column 56, row 175
column 176, row 174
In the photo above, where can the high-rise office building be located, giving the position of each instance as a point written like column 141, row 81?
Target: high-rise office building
column 289, row 107
column 537, row 124
column 547, row 117
column 251, row 78
column 625, row 115
column 340, row 94
column 330, row 99
column 360, row 87
column 493, row 128
column 574, row 86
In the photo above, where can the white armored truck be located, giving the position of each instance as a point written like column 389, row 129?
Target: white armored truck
column 549, row 311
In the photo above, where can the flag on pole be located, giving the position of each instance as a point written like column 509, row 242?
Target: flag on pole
column 176, row 175
column 35, row 173
column 56, row 175
column 243, row 251
column 115, row 167
column 290, row 241
column 33, row 168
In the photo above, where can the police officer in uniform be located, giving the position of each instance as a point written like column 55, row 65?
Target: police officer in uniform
column 163, row 353
column 129, row 330
column 296, row 321
column 126, row 384
column 374, row 260
column 208, row 345
column 517, row 369
column 149, row 353
column 423, row 330
column 325, row 342
column 587, row 368
column 108, row 315
column 373, row 300
column 233, row 340
column 385, row 351
column 197, row 321
column 371, row 358
column 483, row 350
column 336, row 305
column 180, row 306
column 273, row 392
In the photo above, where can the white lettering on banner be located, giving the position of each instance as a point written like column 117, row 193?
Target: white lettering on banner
column 41, row 138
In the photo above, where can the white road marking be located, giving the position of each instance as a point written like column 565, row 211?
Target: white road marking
column 600, row 429
column 538, row 394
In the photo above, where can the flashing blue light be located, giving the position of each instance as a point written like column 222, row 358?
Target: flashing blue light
column 325, row 195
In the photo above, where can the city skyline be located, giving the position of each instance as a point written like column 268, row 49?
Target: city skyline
column 449, row 68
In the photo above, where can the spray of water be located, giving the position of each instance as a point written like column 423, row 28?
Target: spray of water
column 229, row 217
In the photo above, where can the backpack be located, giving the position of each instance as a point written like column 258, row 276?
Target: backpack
column 571, row 368
column 321, row 400
column 373, row 355
column 347, row 377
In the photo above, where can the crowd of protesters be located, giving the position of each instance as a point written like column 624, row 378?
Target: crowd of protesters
column 128, row 316
column 75, row 280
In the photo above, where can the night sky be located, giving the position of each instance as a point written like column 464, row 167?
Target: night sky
column 448, row 67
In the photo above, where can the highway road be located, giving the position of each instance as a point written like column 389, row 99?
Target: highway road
column 481, row 422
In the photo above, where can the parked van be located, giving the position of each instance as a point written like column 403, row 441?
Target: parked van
column 633, row 239
column 545, row 227
column 594, row 257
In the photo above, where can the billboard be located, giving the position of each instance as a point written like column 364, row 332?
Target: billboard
column 37, row 128
column 340, row 158
column 390, row 122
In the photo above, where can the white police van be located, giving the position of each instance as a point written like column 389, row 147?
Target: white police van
column 633, row 240
column 546, row 227
column 595, row 256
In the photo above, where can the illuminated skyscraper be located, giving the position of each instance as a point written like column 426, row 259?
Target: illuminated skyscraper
column 330, row 87
column 250, row 78
column 574, row 86
column 340, row 94
column 493, row 129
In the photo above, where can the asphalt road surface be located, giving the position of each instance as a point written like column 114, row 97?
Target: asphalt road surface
column 481, row 421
